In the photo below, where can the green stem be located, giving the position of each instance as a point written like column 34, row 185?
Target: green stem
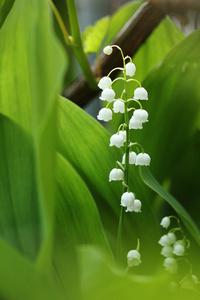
column 78, row 45
column 126, row 169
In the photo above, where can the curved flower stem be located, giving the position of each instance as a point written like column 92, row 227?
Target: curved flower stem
column 129, row 80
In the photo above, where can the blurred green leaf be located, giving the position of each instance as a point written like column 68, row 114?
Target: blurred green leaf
column 148, row 178
column 19, row 279
column 31, row 64
column 93, row 35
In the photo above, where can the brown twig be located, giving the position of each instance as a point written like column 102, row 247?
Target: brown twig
column 177, row 6
column 130, row 38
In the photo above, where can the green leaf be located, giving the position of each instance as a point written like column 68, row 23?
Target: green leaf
column 32, row 65
column 77, row 222
column 148, row 178
column 93, row 35
column 1, row 3
column 19, row 279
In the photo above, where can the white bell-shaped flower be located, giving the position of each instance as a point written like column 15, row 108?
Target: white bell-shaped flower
column 104, row 83
column 179, row 249
column 167, row 251
column 132, row 158
column 116, row 174
column 123, row 134
column 165, row 240
column 117, row 140
column 107, row 95
column 107, row 50
column 165, row 222
column 171, row 265
column 118, row 106
column 141, row 115
column 135, row 124
column 133, row 258
column 143, row 159
column 172, row 237
column 105, row 114
column 127, row 199
column 130, row 69
column 140, row 94
column 136, row 207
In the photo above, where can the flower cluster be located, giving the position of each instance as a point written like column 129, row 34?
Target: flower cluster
column 172, row 247
column 134, row 118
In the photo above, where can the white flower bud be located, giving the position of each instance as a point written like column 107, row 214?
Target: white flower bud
column 141, row 115
column 172, row 237
column 118, row 106
column 132, row 158
column 165, row 240
column 165, row 222
column 143, row 159
column 133, row 258
column 117, row 140
column 116, row 174
column 107, row 50
column 130, row 69
column 105, row 114
column 107, row 95
column 135, row 124
column 179, row 249
column 167, row 251
column 170, row 265
column 127, row 199
column 104, row 83
column 140, row 94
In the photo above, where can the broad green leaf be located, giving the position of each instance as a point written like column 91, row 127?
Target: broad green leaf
column 77, row 222
column 75, row 206
column 31, row 65
column 93, row 35
column 85, row 144
column 119, row 19
column 148, row 178
column 20, row 280
column 5, row 7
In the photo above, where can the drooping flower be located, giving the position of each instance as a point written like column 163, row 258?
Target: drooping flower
column 130, row 69
column 140, row 94
column 165, row 240
column 104, row 83
column 141, row 115
column 165, row 222
column 172, row 237
column 167, row 251
column 133, row 258
column 143, row 159
column 107, row 95
column 118, row 106
column 171, row 265
column 136, row 207
column 132, row 158
column 135, row 124
column 179, row 248
column 123, row 134
column 105, row 114
column 127, row 199
column 107, row 50
column 116, row 174
column 117, row 140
